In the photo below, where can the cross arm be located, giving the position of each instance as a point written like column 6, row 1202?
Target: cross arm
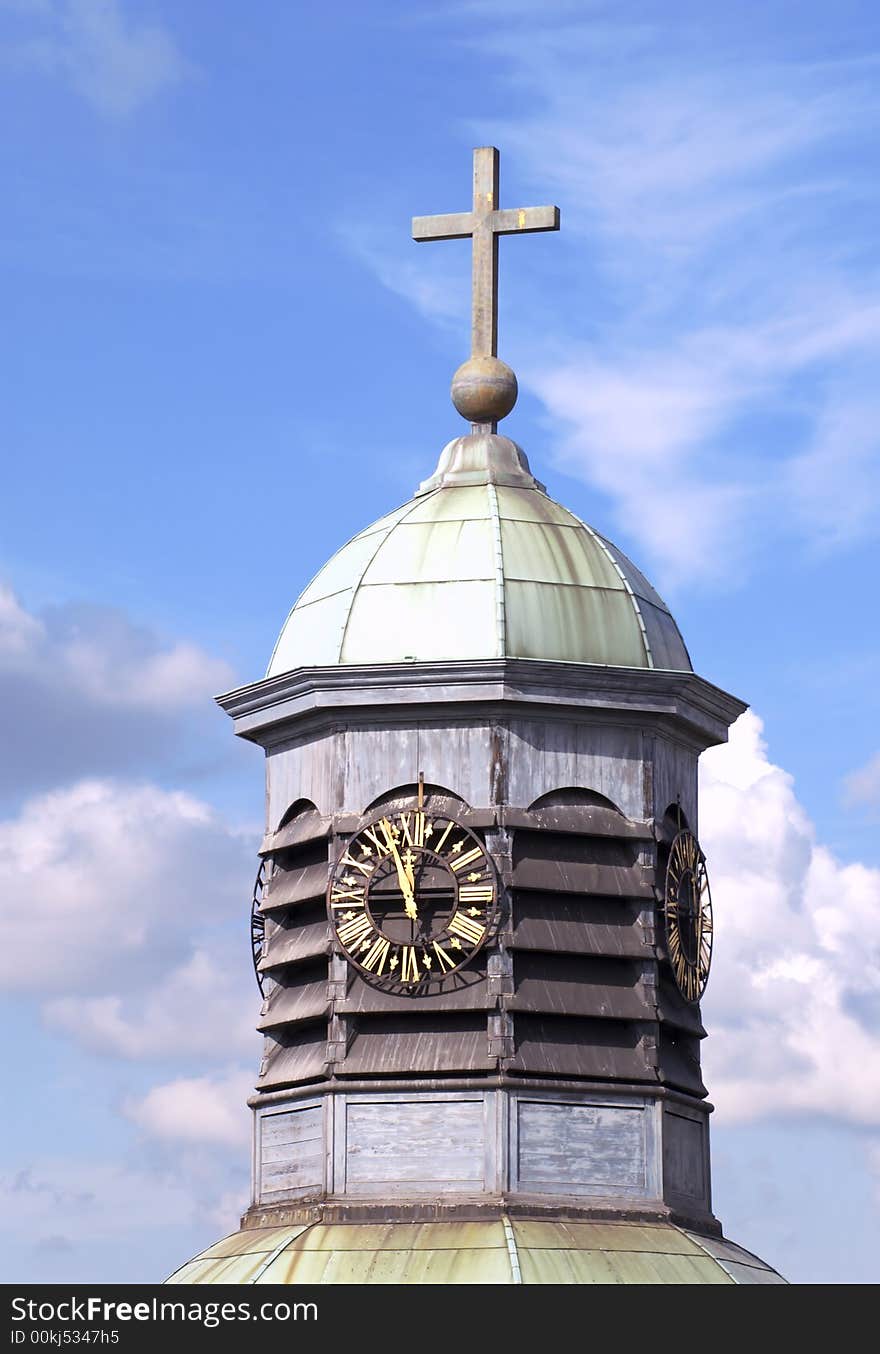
column 452, row 226
column 524, row 220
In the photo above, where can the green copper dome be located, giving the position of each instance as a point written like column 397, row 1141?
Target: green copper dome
column 505, row 1251
column 480, row 564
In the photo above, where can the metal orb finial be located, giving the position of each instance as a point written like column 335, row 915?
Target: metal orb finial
column 484, row 389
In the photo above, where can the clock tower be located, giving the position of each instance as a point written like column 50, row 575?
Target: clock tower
column 482, row 921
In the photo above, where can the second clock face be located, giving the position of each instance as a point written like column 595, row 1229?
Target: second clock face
column 413, row 897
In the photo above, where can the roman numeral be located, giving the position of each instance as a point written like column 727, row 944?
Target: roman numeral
column 467, row 928
column 377, row 955
column 409, row 971
column 381, row 847
column 356, row 930
column 474, row 854
column 337, row 895
column 405, row 829
column 475, row 893
column 348, row 859
column 438, row 846
column 446, row 963
column 419, row 834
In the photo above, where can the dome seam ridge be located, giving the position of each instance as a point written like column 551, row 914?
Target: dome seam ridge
column 357, row 587
column 279, row 1249
column 500, row 601
column 315, row 576
column 626, row 583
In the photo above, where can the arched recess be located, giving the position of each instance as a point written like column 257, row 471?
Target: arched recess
column 570, row 796
column 438, row 798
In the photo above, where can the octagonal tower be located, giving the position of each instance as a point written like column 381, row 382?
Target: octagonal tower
column 536, row 1111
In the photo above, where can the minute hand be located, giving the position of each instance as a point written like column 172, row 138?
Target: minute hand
column 406, row 889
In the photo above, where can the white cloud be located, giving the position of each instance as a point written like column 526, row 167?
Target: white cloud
column 198, row 1109
column 863, row 785
column 84, row 689
column 115, row 62
column 105, row 659
column 791, row 1007
column 202, row 1008
column 123, row 912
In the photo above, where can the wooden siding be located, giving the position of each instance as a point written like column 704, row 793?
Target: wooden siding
column 580, row 1149
column 415, row 1146
column 685, row 1155
column 291, row 1153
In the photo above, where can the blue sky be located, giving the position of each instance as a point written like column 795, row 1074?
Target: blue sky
column 223, row 355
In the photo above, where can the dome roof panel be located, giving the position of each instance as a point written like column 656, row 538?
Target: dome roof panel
column 516, row 1250
column 529, row 505
column 480, row 564
column 545, row 620
column 421, row 622
column 433, row 552
column 315, row 629
column 464, row 502
column 546, row 553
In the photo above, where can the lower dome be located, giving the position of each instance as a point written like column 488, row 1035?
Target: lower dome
column 505, row 1251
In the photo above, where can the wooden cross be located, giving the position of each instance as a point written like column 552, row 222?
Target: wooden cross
column 484, row 224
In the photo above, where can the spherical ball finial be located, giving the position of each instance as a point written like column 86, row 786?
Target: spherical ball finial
column 484, row 390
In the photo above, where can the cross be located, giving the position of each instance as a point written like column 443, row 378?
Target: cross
column 484, row 224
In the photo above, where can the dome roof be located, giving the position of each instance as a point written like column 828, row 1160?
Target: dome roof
column 480, row 564
column 502, row 1251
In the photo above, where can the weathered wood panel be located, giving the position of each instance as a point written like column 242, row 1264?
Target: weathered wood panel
column 304, row 768
column 291, row 1153
column 580, row 1149
column 685, row 1155
column 376, row 760
column 430, row 1147
column 548, row 754
column 459, row 756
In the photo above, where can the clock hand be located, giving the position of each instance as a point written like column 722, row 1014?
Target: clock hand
column 406, row 888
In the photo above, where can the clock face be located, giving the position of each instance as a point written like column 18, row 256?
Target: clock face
column 412, row 897
column 688, row 912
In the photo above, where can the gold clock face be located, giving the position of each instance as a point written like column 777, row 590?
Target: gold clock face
column 413, row 897
column 688, row 912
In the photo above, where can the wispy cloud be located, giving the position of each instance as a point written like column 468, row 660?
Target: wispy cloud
column 718, row 342
column 115, row 61
column 86, row 689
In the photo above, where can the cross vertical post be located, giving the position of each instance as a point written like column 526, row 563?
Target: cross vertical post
column 483, row 224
